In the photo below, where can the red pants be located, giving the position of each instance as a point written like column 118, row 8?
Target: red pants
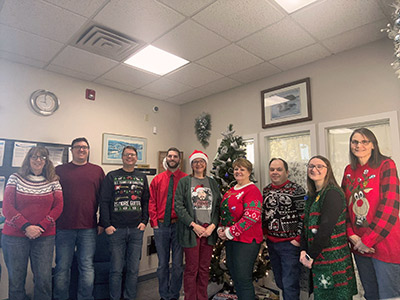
column 197, row 273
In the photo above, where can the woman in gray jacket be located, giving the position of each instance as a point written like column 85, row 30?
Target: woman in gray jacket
column 197, row 199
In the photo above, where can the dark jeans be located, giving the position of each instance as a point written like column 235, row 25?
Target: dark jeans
column 125, row 248
column 85, row 242
column 285, row 264
column 197, row 272
column 240, row 259
column 17, row 251
column 169, row 282
column 380, row 280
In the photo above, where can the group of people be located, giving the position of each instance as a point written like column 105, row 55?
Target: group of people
column 318, row 229
column 323, row 228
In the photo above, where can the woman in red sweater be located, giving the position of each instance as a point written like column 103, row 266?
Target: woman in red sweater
column 241, row 220
column 32, row 203
column 371, row 186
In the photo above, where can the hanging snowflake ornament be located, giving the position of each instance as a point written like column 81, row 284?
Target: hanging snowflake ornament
column 393, row 32
column 202, row 128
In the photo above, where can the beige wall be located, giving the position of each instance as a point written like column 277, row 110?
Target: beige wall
column 113, row 111
column 351, row 84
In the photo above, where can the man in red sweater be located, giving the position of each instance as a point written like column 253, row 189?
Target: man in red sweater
column 77, row 225
column 163, row 220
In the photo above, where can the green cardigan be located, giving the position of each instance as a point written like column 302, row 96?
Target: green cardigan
column 184, row 211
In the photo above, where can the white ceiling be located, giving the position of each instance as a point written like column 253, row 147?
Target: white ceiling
column 228, row 42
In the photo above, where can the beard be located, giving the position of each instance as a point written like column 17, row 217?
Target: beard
column 172, row 164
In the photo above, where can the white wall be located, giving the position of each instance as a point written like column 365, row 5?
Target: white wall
column 350, row 84
column 113, row 111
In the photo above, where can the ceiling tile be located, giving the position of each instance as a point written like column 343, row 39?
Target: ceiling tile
column 83, row 8
column 190, row 41
column 300, row 57
column 27, row 45
column 194, row 75
column 71, row 73
column 229, row 60
column 356, row 37
column 150, row 94
column 42, row 19
column 188, row 96
column 276, row 40
column 114, row 84
column 254, row 73
column 140, row 19
column 82, row 61
column 129, row 76
column 235, row 19
column 22, row 59
column 329, row 18
column 165, row 86
column 219, row 85
column 187, row 7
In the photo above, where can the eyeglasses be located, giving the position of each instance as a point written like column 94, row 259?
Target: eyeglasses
column 363, row 142
column 36, row 157
column 129, row 155
column 199, row 162
column 318, row 167
column 80, row 147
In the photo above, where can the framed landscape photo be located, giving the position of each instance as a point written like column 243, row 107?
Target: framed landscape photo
column 286, row 104
column 113, row 144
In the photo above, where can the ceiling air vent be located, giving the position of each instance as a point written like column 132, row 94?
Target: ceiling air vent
column 106, row 42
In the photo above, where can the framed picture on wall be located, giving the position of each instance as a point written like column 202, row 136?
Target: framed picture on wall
column 161, row 156
column 113, row 144
column 286, row 104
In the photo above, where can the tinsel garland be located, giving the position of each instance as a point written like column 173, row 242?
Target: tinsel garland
column 393, row 32
column 202, row 127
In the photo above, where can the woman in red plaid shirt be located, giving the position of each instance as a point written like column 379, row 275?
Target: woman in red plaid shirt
column 371, row 186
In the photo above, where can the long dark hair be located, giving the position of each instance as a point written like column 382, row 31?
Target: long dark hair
column 48, row 170
column 376, row 156
column 329, row 178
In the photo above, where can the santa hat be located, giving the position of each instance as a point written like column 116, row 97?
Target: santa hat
column 198, row 188
column 198, row 154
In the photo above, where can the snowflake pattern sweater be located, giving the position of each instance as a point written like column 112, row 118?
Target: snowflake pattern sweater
column 31, row 201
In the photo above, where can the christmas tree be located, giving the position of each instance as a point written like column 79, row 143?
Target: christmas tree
column 231, row 148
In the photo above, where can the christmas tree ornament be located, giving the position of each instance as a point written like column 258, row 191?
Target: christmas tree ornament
column 202, row 128
column 393, row 32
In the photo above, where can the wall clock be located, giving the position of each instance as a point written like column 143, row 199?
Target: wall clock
column 44, row 102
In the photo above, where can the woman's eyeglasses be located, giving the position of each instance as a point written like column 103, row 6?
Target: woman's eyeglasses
column 318, row 167
column 363, row 142
column 36, row 157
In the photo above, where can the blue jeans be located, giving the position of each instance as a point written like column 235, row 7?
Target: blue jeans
column 166, row 239
column 240, row 259
column 17, row 251
column 380, row 280
column 284, row 258
column 126, row 248
column 85, row 242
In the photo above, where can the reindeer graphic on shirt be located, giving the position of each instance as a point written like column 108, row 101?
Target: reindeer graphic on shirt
column 359, row 199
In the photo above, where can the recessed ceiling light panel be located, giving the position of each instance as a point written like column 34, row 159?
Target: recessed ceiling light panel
column 155, row 60
column 293, row 5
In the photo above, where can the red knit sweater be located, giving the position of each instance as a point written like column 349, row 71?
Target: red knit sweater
column 373, row 208
column 34, row 201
